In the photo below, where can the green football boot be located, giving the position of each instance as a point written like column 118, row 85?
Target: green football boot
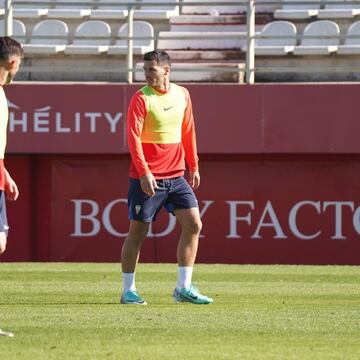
column 191, row 295
column 132, row 297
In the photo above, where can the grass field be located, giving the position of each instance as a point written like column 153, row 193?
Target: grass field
column 71, row 311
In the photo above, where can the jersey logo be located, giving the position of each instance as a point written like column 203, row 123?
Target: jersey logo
column 168, row 108
column 137, row 208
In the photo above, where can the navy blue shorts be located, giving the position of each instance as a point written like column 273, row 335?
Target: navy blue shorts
column 3, row 219
column 173, row 193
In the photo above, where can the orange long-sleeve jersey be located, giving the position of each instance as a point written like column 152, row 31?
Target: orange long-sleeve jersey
column 161, row 133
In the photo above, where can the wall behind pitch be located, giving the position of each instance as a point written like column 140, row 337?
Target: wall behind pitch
column 279, row 167
column 20, row 213
column 254, row 210
column 230, row 119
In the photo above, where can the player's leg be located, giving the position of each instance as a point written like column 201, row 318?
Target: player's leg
column 2, row 242
column 142, row 211
column 129, row 258
column 132, row 245
column 185, row 207
column 3, row 238
column 190, row 223
column 3, row 223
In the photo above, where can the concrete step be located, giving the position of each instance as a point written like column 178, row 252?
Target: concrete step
column 201, row 72
column 222, row 19
column 205, row 55
column 218, row 8
column 189, row 40
column 222, row 23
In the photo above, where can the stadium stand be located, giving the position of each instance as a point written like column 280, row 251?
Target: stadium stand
column 352, row 41
column 213, row 9
column 48, row 37
column 100, row 9
column 171, row 40
column 28, row 11
column 201, row 72
column 69, row 11
column 206, row 23
column 277, row 38
column 19, row 30
column 206, row 38
column 107, row 12
column 319, row 38
column 160, row 12
column 339, row 11
column 92, row 37
column 143, row 39
column 298, row 11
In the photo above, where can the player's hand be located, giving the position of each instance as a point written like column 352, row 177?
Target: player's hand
column 194, row 179
column 148, row 184
column 11, row 189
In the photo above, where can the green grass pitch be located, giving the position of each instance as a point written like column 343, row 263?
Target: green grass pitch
column 71, row 311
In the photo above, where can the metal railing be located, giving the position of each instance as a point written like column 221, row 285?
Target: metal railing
column 250, row 36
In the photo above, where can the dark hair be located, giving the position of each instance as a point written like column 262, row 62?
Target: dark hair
column 9, row 47
column 161, row 57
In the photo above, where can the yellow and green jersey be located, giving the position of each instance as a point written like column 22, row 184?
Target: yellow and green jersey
column 161, row 132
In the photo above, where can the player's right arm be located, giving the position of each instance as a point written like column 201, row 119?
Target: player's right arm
column 135, row 121
column 11, row 189
column 148, row 184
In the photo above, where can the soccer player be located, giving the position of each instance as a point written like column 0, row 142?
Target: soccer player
column 161, row 135
column 10, row 59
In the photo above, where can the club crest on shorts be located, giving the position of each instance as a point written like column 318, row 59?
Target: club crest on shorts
column 137, row 208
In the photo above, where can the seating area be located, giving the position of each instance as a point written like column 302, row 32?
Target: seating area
column 310, row 55
column 99, row 9
column 91, row 39
column 314, row 10
column 322, row 37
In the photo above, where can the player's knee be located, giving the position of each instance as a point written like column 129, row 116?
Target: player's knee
column 137, row 232
column 195, row 226
column 2, row 247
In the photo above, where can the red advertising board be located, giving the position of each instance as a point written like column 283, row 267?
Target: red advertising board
column 253, row 211
column 279, row 163
column 63, row 119
column 21, row 216
column 230, row 119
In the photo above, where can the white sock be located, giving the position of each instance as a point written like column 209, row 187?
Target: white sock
column 184, row 277
column 128, row 282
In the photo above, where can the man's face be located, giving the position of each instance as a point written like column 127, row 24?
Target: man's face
column 155, row 74
column 12, row 66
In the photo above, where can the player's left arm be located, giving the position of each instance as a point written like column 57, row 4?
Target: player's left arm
column 11, row 189
column 194, row 179
column 189, row 143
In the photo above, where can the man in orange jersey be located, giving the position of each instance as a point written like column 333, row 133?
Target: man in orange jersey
column 161, row 136
column 10, row 59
